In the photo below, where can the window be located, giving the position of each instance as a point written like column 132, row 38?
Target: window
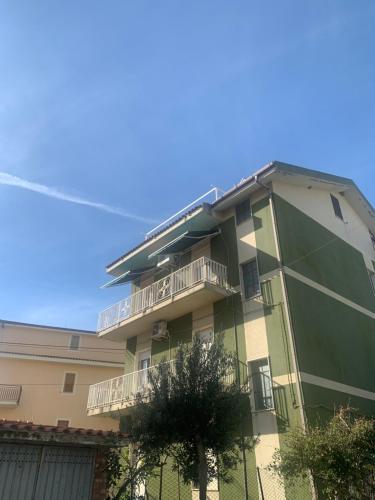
column 74, row 342
column 336, row 207
column 250, row 279
column 372, row 237
column 243, row 211
column 144, row 362
column 206, row 338
column 64, row 424
column 372, row 279
column 260, row 376
column 69, row 382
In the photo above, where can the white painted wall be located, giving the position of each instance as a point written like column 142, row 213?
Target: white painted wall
column 264, row 422
column 317, row 204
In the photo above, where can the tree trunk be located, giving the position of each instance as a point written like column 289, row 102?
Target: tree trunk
column 202, row 471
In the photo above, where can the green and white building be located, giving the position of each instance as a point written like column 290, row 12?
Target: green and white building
column 283, row 266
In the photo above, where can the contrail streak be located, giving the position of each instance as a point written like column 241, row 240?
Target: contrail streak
column 12, row 180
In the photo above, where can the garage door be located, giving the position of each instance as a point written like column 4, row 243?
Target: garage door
column 29, row 472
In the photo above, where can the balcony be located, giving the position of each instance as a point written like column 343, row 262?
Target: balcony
column 202, row 282
column 10, row 395
column 121, row 392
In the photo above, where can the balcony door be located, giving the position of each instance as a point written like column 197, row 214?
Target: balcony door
column 144, row 362
column 206, row 338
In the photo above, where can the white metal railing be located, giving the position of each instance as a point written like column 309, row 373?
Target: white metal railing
column 10, row 394
column 124, row 389
column 214, row 193
column 200, row 270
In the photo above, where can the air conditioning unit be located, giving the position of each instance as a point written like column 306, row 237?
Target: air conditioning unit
column 159, row 330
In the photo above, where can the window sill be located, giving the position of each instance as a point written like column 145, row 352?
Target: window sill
column 262, row 411
column 253, row 297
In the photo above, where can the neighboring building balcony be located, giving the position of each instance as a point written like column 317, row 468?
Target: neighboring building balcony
column 121, row 392
column 10, row 395
column 201, row 282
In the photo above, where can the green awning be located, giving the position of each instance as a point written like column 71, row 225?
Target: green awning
column 127, row 277
column 200, row 220
column 182, row 242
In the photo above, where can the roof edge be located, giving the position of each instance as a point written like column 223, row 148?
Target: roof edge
column 46, row 327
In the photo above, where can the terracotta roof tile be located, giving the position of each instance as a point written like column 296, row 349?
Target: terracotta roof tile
column 19, row 425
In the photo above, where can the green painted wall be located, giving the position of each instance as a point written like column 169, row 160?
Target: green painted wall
column 287, row 405
column 228, row 313
column 320, row 403
column 180, row 331
column 333, row 340
column 131, row 347
column 171, row 484
column 315, row 252
column 228, row 322
column 264, row 234
column 224, row 250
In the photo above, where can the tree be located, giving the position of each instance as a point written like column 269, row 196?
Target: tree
column 339, row 455
column 126, row 469
column 193, row 413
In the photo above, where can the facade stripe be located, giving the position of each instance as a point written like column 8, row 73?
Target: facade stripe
column 327, row 291
column 337, row 386
column 56, row 359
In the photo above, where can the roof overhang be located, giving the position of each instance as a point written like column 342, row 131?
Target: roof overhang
column 291, row 174
column 127, row 277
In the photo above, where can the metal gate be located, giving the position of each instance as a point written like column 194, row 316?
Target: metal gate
column 29, row 472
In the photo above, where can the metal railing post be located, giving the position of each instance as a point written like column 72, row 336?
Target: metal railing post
column 202, row 269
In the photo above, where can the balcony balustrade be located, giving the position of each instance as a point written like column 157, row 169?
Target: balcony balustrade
column 203, row 275
column 121, row 392
column 10, row 394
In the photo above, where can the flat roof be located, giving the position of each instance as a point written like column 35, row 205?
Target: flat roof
column 46, row 327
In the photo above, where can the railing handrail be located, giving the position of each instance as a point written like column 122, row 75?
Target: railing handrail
column 214, row 190
column 126, row 386
column 201, row 269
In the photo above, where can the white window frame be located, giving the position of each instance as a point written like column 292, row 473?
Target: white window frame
column 207, row 329
column 372, row 238
column 242, row 282
column 371, row 275
column 74, row 387
column 141, row 377
column 71, row 340
column 333, row 196
column 138, row 357
column 252, row 392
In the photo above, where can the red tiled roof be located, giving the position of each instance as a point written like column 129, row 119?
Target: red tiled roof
column 18, row 425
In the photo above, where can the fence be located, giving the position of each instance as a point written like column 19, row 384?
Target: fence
column 261, row 484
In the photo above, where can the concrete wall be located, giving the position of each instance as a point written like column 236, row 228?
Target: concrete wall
column 37, row 359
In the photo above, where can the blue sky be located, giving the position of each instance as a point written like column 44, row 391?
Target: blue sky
column 142, row 106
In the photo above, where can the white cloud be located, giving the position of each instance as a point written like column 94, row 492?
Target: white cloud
column 12, row 180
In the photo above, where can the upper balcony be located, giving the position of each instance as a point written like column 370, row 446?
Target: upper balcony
column 10, row 395
column 201, row 282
